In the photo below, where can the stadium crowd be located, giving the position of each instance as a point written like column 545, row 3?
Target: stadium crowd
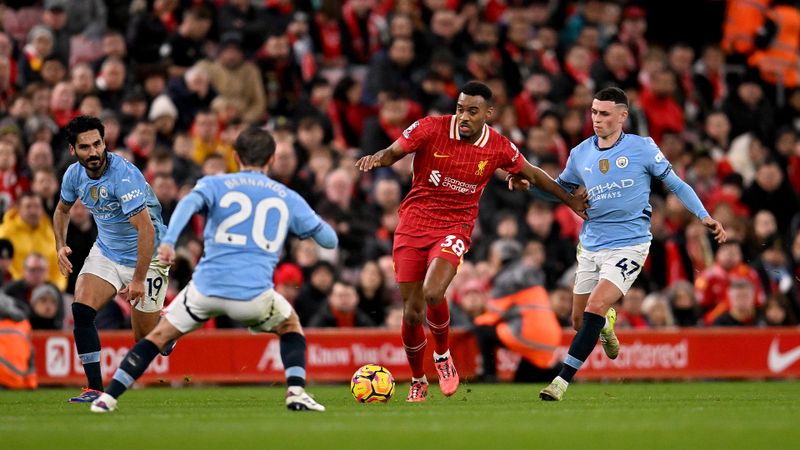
column 175, row 81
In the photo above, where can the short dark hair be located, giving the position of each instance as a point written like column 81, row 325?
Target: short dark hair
column 255, row 146
column 613, row 94
column 82, row 124
column 478, row 88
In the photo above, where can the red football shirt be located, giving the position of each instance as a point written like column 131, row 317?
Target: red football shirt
column 450, row 174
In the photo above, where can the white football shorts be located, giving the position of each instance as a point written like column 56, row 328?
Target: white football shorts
column 190, row 309
column 155, row 285
column 620, row 266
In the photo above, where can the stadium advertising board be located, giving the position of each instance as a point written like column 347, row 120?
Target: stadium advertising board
column 241, row 357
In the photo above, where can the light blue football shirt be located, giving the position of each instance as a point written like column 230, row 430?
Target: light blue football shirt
column 119, row 193
column 617, row 180
column 248, row 218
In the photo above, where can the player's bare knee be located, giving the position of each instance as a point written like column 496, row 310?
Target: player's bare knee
column 432, row 295
column 290, row 325
column 413, row 315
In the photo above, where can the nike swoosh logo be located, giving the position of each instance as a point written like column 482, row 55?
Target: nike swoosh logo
column 440, row 155
column 777, row 361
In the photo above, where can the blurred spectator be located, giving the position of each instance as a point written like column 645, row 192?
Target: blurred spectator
column 147, row 30
column 6, row 257
column 559, row 251
column 39, row 46
column 778, row 312
column 46, row 308
column 12, row 183
column 234, row 76
column 773, row 267
column 16, row 350
column 742, row 299
column 30, row 231
column 391, row 70
column 46, row 186
column 685, row 308
column 772, row 192
column 373, row 299
column 341, row 310
column 281, row 74
column 525, row 324
column 288, row 279
column 191, row 93
column 518, row 271
column 314, row 293
column 561, row 304
column 663, row 111
column 630, row 314
column 54, row 18
column 657, row 310
column 184, row 48
column 711, row 287
column 349, row 218
column 244, row 17
column 34, row 275
column 111, row 83
column 81, row 235
column 748, row 110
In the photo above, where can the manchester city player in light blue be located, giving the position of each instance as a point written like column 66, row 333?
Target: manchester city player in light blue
column 122, row 260
column 248, row 218
column 616, row 170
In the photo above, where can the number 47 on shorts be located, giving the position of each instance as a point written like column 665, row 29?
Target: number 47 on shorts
column 623, row 265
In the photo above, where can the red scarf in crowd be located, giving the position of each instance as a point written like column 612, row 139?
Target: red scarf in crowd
column 363, row 46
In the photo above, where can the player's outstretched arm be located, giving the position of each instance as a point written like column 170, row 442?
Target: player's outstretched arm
column 689, row 198
column 192, row 203
column 60, row 225
column 540, row 179
column 146, row 235
column 381, row 158
column 326, row 236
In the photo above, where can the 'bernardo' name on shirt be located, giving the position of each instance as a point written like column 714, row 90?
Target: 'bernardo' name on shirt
column 265, row 183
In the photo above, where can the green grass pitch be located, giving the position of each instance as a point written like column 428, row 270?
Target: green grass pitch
column 752, row 415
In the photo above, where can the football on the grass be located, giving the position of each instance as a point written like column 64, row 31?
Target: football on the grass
column 372, row 383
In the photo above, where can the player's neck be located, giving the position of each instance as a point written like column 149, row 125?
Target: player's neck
column 610, row 140
column 253, row 169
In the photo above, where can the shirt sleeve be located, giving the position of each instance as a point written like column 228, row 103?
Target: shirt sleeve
column 304, row 221
column 570, row 178
column 132, row 191
column 416, row 135
column 68, row 191
column 512, row 160
column 655, row 162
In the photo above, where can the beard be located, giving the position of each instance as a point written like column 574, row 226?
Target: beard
column 102, row 159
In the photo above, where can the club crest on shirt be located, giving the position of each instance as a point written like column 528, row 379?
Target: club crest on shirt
column 622, row 162
column 103, row 192
column 604, row 165
column 93, row 192
column 481, row 166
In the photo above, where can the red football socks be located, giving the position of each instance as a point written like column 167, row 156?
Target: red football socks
column 438, row 317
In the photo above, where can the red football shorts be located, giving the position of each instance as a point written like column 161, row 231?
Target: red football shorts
column 413, row 254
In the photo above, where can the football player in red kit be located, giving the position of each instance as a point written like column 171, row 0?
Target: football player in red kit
column 454, row 158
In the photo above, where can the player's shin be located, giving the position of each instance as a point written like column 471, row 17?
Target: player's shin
column 414, row 342
column 438, row 317
column 132, row 367
column 293, row 356
column 87, row 342
column 582, row 345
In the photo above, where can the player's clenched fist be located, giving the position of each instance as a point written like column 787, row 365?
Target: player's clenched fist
column 166, row 254
column 133, row 292
column 64, row 265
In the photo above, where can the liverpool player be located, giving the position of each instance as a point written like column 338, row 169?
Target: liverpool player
column 454, row 158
